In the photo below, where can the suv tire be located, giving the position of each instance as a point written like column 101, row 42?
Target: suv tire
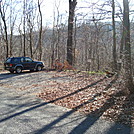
column 39, row 68
column 18, row 70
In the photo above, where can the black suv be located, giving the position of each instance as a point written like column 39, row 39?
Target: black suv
column 18, row 64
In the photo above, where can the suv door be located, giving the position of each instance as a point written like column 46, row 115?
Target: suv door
column 28, row 63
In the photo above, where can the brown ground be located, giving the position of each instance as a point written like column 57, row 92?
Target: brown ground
column 91, row 94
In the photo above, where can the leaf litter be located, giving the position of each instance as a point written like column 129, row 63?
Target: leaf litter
column 92, row 94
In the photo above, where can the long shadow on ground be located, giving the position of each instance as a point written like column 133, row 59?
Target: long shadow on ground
column 91, row 118
column 126, row 107
column 10, row 75
column 43, row 104
column 84, row 125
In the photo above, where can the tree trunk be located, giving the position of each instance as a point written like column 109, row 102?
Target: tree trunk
column 114, row 38
column 75, row 41
column 31, row 48
column 24, row 29
column 127, row 48
column 5, row 30
column 53, row 44
column 40, row 33
column 72, row 5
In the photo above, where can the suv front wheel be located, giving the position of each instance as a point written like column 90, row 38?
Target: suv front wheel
column 18, row 70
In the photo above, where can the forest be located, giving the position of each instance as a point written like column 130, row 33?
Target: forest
column 99, row 40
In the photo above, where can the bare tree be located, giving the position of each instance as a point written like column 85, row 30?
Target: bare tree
column 127, row 48
column 53, row 43
column 30, row 25
column 13, row 17
column 72, row 5
column 58, row 49
column 2, row 12
column 40, row 32
column 20, row 40
column 24, row 28
column 114, row 37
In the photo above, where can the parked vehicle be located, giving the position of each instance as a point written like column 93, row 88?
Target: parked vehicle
column 17, row 64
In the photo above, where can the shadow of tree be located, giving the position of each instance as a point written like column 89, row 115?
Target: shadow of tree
column 84, row 123
column 15, row 107
column 77, row 91
column 117, row 128
column 23, row 111
column 10, row 75
column 92, row 117
column 88, row 122
column 126, row 115
column 7, row 75
column 52, row 101
column 83, row 126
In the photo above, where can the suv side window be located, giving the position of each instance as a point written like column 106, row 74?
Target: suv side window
column 15, row 60
column 28, row 59
column 22, row 59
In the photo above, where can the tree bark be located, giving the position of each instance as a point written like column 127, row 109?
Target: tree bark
column 127, row 49
column 72, row 5
column 5, row 30
column 114, row 38
column 40, row 33
column 24, row 29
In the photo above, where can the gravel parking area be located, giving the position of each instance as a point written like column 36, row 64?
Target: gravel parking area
column 22, row 112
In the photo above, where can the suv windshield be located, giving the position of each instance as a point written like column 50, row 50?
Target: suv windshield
column 8, row 60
